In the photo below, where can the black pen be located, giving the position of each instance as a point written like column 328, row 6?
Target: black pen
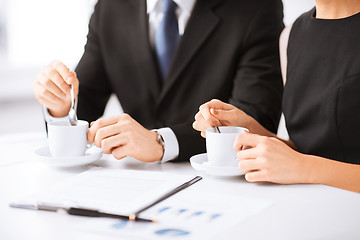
column 134, row 216
column 77, row 211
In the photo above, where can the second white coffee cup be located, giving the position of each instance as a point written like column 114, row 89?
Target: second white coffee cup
column 66, row 140
column 220, row 146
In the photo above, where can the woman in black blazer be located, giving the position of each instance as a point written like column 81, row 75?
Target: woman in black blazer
column 321, row 105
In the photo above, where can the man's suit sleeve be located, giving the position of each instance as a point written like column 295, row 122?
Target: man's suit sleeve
column 94, row 89
column 190, row 141
column 258, row 86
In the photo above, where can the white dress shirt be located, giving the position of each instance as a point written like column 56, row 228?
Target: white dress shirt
column 154, row 10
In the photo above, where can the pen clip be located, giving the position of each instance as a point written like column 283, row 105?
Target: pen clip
column 49, row 207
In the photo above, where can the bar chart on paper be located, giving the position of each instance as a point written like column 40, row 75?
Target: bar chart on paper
column 189, row 215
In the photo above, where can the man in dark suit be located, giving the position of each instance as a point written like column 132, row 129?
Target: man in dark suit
column 163, row 59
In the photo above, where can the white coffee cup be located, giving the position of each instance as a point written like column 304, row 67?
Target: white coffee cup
column 220, row 146
column 66, row 140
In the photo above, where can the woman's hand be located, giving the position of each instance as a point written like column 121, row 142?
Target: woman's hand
column 122, row 136
column 218, row 113
column 270, row 160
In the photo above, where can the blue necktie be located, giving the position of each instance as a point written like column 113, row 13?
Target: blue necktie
column 167, row 37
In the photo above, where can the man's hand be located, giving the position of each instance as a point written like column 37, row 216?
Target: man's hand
column 52, row 88
column 122, row 136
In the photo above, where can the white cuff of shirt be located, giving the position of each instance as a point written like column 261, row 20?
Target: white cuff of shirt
column 50, row 119
column 171, row 145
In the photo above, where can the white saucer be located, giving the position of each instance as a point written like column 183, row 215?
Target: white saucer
column 199, row 162
column 92, row 154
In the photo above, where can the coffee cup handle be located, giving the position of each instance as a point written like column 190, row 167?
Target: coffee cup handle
column 89, row 145
column 245, row 147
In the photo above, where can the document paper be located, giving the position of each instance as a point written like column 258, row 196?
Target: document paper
column 111, row 190
column 193, row 213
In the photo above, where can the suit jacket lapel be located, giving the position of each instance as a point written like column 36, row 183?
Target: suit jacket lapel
column 201, row 24
column 138, row 29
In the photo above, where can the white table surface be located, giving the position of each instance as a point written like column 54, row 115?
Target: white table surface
column 299, row 212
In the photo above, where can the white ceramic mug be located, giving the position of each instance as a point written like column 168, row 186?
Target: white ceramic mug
column 220, row 146
column 66, row 140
